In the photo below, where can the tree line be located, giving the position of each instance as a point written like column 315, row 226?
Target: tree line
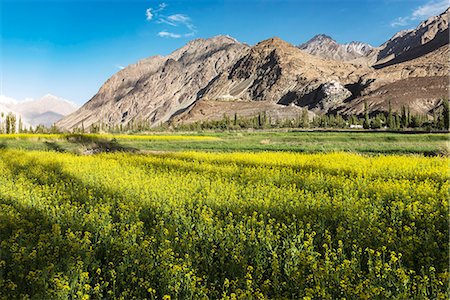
column 390, row 120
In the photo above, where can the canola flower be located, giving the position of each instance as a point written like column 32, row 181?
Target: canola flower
column 196, row 225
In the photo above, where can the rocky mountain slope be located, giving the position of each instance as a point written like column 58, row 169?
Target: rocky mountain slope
column 43, row 111
column 410, row 44
column 276, row 72
column 325, row 47
column 209, row 78
column 155, row 89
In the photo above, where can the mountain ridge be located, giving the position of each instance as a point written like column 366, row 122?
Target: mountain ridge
column 209, row 78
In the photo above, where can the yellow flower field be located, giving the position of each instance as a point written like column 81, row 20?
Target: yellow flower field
column 197, row 225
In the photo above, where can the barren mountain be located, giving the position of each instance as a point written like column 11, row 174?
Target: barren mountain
column 156, row 88
column 276, row 72
column 325, row 47
column 410, row 44
column 419, row 83
column 210, row 78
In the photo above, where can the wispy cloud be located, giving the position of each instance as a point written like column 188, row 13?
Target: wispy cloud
column 180, row 19
column 430, row 9
column 149, row 14
column 120, row 67
column 422, row 12
column 175, row 20
column 400, row 21
column 169, row 34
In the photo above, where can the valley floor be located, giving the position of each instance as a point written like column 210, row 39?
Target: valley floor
column 291, row 141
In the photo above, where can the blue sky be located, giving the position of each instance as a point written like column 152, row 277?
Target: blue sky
column 70, row 47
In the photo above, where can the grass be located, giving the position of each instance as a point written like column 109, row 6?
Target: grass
column 308, row 142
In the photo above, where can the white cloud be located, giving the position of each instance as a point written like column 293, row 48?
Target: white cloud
column 169, row 34
column 174, row 20
column 7, row 100
column 431, row 8
column 165, row 21
column 149, row 14
column 183, row 20
column 120, row 67
column 400, row 21
column 162, row 6
column 179, row 18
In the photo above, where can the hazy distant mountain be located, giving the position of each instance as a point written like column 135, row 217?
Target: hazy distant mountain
column 210, row 78
column 325, row 47
column 45, row 110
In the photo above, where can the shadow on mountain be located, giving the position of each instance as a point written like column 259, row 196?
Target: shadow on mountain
column 357, row 88
column 310, row 100
column 440, row 40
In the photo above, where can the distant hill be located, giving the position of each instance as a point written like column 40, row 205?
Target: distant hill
column 43, row 111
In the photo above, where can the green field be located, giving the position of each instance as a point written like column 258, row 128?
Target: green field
column 262, row 215
column 309, row 142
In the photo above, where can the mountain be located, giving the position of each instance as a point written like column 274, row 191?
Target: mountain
column 325, row 47
column 155, row 89
column 278, row 73
column 210, row 78
column 43, row 111
column 410, row 44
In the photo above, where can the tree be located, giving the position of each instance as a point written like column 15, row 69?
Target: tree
column 10, row 123
column 7, row 124
column 404, row 118
column 390, row 119
column 366, row 124
column 305, row 118
column 20, row 124
column 445, row 114
column 376, row 123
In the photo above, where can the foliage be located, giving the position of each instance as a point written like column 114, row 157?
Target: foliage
column 273, row 140
column 196, row 225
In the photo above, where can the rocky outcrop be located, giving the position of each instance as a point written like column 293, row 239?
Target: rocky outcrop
column 276, row 71
column 332, row 95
